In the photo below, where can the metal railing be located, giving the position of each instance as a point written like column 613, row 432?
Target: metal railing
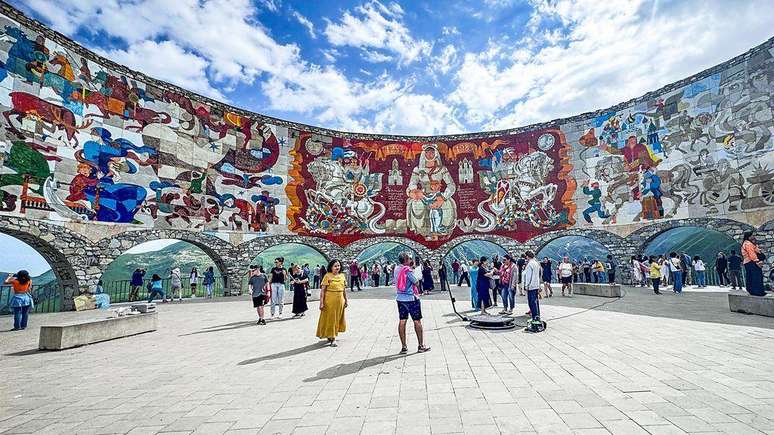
column 119, row 290
column 47, row 298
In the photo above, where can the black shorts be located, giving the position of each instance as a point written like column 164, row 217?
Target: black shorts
column 566, row 280
column 413, row 308
column 259, row 301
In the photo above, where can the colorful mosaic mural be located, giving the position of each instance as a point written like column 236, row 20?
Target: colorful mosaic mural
column 430, row 191
column 84, row 140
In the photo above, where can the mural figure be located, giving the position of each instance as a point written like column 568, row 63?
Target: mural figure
column 431, row 210
column 595, row 205
column 106, row 159
column 342, row 200
column 519, row 190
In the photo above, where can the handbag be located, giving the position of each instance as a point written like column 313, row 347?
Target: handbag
column 761, row 257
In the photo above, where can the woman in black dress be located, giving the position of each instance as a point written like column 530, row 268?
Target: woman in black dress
column 427, row 277
column 483, row 283
column 299, row 282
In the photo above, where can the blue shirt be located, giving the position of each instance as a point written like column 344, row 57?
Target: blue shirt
column 406, row 294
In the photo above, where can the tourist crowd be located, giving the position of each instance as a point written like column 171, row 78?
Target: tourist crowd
column 504, row 277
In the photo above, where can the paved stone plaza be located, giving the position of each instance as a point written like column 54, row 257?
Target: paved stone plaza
column 631, row 366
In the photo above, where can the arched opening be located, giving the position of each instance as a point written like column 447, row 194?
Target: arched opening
column 465, row 252
column 46, row 284
column 161, row 257
column 293, row 253
column 694, row 241
column 580, row 250
column 380, row 254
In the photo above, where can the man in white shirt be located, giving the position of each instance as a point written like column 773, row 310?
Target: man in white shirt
column 464, row 276
column 565, row 275
column 531, row 283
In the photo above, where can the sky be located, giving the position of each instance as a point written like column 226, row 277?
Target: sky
column 414, row 67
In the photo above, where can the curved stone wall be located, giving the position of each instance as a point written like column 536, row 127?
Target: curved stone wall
column 102, row 150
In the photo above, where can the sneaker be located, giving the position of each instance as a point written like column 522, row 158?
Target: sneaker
column 422, row 349
column 403, row 350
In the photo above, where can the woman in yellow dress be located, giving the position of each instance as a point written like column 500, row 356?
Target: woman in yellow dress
column 333, row 301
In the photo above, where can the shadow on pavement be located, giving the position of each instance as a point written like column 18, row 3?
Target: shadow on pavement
column 285, row 354
column 27, row 352
column 354, row 367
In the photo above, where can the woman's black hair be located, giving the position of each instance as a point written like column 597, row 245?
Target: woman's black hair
column 331, row 263
column 696, row 258
column 483, row 260
column 155, row 277
column 23, row 276
column 747, row 235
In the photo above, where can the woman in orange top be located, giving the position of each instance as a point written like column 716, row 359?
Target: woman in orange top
column 753, row 265
column 21, row 302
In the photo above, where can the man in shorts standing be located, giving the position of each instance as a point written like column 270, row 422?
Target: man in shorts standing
column 257, row 284
column 565, row 272
column 408, row 303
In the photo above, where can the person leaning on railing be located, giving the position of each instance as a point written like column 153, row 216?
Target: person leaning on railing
column 21, row 302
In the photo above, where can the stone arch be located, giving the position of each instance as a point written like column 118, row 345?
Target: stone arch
column 613, row 242
column 255, row 246
column 221, row 252
column 70, row 255
column 640, row 238
column 507, row 243
column 354, row 249
column 245, row 252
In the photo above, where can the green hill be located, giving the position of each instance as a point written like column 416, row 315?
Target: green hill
column 575, row 247
column 44, row 278
column 181, row 254
column 292, row 253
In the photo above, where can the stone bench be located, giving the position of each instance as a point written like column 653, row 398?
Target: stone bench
column 74, row 334
column 603, row 290
column 743, row 302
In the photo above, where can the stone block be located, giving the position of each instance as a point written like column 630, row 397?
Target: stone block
column 743, row 302
column 79, row 333
column 603, row 290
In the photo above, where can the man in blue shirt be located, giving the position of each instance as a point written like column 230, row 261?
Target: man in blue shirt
column 408, row 302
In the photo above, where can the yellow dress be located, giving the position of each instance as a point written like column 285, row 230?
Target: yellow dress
column 332, row 316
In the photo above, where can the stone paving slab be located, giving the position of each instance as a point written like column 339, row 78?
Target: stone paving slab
column 210, row 370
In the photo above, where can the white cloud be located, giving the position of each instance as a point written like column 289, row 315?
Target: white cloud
column 330, row 55
column 167, row 61
column 306, row 23
column 374, row 25
column 272, row 5
column 447, row 58
column 605, row 53
column 449, row 30
column 374, row 56
column 417, row 114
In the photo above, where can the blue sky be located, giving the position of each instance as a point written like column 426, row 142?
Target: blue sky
column 414, row 67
